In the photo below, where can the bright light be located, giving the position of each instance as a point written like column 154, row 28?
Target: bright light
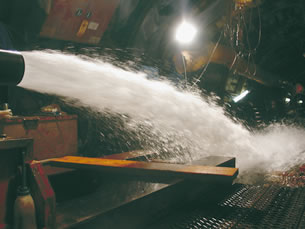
column 287, row 100
column 241, row 96
column 185, row 33
column 300, row 101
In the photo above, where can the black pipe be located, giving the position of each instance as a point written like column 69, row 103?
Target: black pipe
column 11, row 68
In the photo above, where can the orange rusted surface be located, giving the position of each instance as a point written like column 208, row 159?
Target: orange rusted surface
column 138, row 168
column 83, row 21
column 54, row 136
column 212, row 170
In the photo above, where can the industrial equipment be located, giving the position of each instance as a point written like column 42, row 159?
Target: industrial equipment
column 79, row 21
column 132, row 189
column 12, row 70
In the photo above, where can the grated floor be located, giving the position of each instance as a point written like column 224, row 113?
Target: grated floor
column 267, row 206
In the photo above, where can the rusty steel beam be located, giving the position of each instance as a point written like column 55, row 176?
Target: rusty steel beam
column 148, row 169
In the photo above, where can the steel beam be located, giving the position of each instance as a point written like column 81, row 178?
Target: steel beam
column 151, row 169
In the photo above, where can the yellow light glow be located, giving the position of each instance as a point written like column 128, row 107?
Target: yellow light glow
column 243, row 3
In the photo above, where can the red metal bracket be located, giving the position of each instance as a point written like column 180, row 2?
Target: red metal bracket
column 43, row 195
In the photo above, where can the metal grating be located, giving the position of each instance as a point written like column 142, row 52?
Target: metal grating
column 267, row 206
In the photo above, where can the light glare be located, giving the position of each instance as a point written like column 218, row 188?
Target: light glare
column 185, row 33
column 287, row 100
column 241, row 96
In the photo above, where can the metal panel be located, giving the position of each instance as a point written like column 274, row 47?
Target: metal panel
column 82, row 21
column 64, row 19
column 53, row 136
column 43, row 195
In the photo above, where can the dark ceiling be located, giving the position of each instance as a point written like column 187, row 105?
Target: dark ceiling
column 282, row 46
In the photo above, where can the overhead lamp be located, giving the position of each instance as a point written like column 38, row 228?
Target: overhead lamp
column 241, row 96
column 287, row 100
column 185, row 33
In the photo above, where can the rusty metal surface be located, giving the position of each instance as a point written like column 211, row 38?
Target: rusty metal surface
column 54, row 136
column 134, row 155
column 156, row 170
column 78, row 20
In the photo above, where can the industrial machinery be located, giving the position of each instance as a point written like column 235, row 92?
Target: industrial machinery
column 127, row 190
column 39, row 153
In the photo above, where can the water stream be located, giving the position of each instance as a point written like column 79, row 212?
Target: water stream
column 178, row 122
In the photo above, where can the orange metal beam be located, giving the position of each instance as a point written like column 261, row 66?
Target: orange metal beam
column 156, row 170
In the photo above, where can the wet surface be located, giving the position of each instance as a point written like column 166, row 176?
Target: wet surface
column 266, row 206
